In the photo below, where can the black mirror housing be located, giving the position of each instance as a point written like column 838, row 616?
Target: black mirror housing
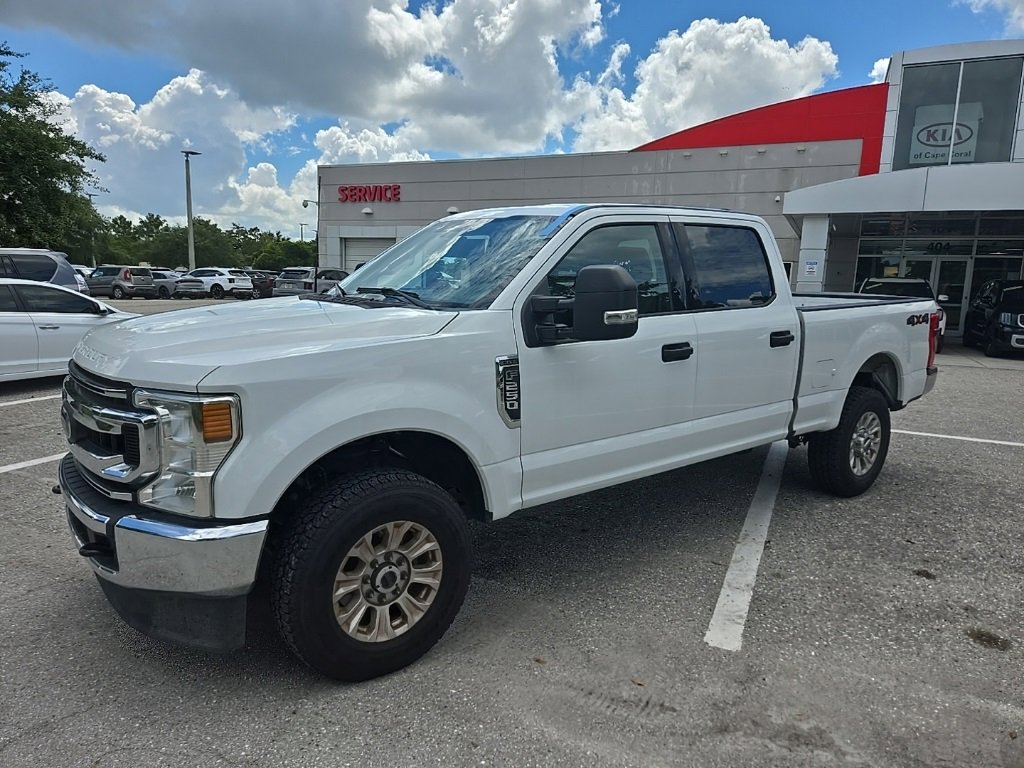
column 605, row 304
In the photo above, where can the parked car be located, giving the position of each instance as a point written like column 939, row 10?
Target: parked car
column 262, row 283
column 166, row 281
column 295, row 281
column 215, row 282
column 995, row 317
column 916, row 287
column 343, row 453
column 38, row 264
column 121, row 282
column 41, row 323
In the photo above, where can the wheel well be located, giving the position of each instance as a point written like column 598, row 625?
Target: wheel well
column 435, row 457
column 880, row 372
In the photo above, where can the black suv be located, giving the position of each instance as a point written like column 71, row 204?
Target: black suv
column 995, row 318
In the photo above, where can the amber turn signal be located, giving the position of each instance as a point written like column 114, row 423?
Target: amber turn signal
column 216, row 422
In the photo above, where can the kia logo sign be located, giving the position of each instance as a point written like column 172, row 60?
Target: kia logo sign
column 939, row 134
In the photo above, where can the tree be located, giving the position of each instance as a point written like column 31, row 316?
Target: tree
column 43, row 170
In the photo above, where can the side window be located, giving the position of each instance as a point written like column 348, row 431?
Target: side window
column 7, row 303
column 43, row 299
column 6, row 268
column 731, row 266
column 634, row 247
column 34, row 266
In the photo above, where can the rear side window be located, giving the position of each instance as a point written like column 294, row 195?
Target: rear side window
column 238, row 273
column 730, row 265
column 34, row 266
column 42, row 299
column 6, row 268
column 7, row 303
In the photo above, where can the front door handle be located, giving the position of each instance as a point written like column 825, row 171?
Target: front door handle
column 781, row 338
column 673, row 352
column 48, row 327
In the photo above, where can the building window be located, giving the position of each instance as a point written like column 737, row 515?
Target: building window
column 980, row 97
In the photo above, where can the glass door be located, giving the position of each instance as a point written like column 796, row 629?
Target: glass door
column 950, row 286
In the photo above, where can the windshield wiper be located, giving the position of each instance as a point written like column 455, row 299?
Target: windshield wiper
column 409, row 296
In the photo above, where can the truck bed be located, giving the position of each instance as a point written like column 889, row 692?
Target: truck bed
column 816, row 302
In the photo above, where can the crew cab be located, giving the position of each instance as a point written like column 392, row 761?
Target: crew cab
column 495, row 360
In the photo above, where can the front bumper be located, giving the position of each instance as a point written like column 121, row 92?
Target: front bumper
column 174, row 579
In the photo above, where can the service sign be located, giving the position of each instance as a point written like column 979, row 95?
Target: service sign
column 934, row 130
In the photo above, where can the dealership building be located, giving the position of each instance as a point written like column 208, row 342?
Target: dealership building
column 919, row 176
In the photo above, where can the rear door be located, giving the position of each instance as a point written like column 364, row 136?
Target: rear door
column 747, row 349
column 19, row 352
column 61, row 318
column 100, row 280
column 141, row 276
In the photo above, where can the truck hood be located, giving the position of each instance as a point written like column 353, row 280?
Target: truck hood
column 177, row 349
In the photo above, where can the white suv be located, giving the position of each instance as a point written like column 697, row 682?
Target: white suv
column 214, row 282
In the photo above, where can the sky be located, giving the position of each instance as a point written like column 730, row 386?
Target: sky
column 266, row 90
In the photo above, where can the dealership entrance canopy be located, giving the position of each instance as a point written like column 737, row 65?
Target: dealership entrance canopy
column 919, row 176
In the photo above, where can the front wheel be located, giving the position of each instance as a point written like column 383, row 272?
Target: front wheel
column 118, row 292
column 846, row 460
column 370, row 573
column 163, row 293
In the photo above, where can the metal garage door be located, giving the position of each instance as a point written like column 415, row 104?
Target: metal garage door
column 360, row 249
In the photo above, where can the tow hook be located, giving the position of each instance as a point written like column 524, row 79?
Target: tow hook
column 94, row 549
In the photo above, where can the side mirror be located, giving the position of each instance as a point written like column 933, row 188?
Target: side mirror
column 942, row 297
column 603, row 307
column 99, row 309
column 605, row 304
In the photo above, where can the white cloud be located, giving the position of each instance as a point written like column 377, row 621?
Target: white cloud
column 879, row 70
column 712, row 69
column 1013, row 10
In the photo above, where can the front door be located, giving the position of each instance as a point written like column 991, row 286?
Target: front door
column 61, row 319
column 595, row 413
column 950, row 286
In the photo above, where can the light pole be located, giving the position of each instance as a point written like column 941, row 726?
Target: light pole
column 188, row 208
column 92, row 233
column 302, row 232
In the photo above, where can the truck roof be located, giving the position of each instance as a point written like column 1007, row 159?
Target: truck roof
column 565, row 211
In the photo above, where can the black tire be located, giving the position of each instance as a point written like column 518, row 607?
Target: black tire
column 312, row 544
column 117, row 292
column 216, row 291
column 940, row 342
column 967, row 340
column 829, row 453
column 990, row 348
column 163, row 293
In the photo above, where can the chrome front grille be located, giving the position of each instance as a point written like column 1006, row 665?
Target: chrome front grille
column 116, row 447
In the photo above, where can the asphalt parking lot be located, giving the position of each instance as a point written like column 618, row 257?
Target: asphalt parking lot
column 885, row 630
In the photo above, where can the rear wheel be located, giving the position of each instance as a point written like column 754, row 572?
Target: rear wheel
column 370, row 573
column 163, row 293
column 217, row 291
column 846, row 460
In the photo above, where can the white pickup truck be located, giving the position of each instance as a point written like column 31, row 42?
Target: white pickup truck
column 495, row 360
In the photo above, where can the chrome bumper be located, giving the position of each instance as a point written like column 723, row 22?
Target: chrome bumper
column 134, row 551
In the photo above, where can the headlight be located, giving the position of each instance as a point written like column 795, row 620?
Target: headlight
column 196, row 435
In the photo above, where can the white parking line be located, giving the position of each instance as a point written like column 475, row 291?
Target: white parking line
column 31, row 462
column 726, row 627
column 29, row 400
column 959, row 437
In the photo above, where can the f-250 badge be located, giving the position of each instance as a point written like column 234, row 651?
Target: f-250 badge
column 507, row 375
column 917, row 320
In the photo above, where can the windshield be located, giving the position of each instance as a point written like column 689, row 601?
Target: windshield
column 454, row 263
column 913, row 288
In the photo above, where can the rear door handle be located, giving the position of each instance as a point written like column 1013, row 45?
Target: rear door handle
column 781, row 338
column 48, row 327
column 673, row 352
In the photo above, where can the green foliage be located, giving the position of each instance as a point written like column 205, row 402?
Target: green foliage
column 43, row 171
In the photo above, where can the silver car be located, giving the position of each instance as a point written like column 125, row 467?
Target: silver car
column 38, row 264
column 298, row 280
